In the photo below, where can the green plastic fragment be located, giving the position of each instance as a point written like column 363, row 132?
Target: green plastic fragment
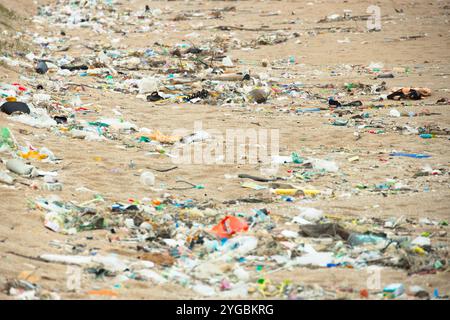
column 296, row 158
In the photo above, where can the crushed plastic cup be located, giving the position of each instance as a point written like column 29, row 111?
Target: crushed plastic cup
column 147, row 178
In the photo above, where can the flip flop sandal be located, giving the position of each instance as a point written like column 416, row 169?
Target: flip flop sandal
column 154, row 97
column 414, row 95
column 399, row 93
column 357, row 103
column 200, row 94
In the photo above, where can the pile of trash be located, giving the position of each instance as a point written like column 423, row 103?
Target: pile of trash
column 227, row 249
column 228, row 255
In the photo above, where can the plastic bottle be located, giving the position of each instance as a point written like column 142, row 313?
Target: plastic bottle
column 19, row 167
column 359, row 239
column 394, row 290
column 6, row 138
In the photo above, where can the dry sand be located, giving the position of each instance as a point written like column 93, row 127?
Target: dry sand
column 22, row 230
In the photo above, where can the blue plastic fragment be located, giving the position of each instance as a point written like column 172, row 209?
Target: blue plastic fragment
column 409, row 155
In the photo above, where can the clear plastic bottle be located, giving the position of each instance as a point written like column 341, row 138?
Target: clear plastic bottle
column 359, row 239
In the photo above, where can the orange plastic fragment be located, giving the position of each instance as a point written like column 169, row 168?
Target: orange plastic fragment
column 158, row 136
column 229, row 226
column 103, row 292
column 33, row 155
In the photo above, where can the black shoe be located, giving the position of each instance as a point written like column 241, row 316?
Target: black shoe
column 356, row 103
